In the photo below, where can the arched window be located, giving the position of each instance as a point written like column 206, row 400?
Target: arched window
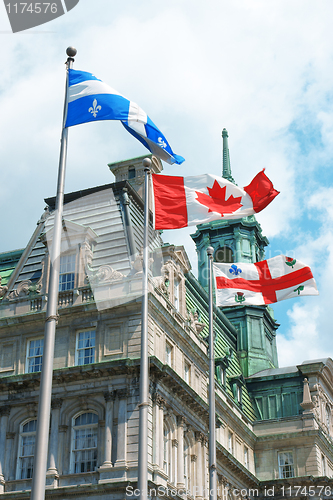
column 166, row 450
column 26, row 450
column 224, row 255
column 84, row 445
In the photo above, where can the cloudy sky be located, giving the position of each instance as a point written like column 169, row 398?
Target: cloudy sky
column 260, row 68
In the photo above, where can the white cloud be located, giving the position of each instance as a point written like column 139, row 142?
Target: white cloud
column 261, row 69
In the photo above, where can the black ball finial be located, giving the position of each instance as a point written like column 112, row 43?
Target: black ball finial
column 71, row 52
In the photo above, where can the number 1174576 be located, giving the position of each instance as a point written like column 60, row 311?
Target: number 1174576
column 34, row 8
column 311, row 491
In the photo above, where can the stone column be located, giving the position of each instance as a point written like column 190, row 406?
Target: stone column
column 4, row 413
column 180, row 454
column 159, row 429
column 54, row 436
column 237, row 237
column 199, row 484
column 109, row 400
column 253, row 248
column 10, row 436
column 173, row 472
column 122, row 428
column 192, row 476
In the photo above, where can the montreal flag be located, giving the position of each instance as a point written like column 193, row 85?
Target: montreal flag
column 262, row 283
column 188, row 201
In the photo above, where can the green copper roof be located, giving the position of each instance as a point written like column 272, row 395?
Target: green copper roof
column 8, row 262
column 225, row 340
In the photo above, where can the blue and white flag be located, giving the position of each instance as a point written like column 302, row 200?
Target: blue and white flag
column 90, row 99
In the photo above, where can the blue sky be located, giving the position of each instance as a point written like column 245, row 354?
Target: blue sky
column 263, row 70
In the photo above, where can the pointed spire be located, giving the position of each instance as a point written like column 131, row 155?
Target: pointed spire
column 226, row 158
column 307, row 403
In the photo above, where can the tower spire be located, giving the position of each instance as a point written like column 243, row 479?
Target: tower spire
column 226, row 173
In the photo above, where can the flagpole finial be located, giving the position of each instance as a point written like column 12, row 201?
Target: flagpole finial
column 146, row 162
column 210, row 251
column 71, row 51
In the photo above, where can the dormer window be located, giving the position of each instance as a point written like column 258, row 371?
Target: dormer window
column 239, row 394
column 237, row 383
column 67, row 272
column 221, row 365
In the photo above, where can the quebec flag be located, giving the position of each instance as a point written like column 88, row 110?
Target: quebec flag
column 89, row 99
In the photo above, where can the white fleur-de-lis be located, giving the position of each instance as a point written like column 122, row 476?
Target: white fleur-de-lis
column 95, row 109
column 162, row 143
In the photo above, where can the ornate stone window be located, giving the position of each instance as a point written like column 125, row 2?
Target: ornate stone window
column 246, row 457
column 286, row 464
column 168, row 353
column 34, row 355
column 187, row 371
column 323, row 465
column 85, row 347
column 26, row 450
column 67, row 272
column 230, row 442
column 84, row 442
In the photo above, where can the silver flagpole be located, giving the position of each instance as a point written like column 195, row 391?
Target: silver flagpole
column 44, row 406
column 144, row 374
column 212, row 437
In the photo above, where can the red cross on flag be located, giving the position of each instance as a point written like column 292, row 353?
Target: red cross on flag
column 187, row 201
column 262, row 283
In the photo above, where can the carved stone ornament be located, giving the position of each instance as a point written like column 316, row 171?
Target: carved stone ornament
column 102, row 275
column 137, row 264
column 27, row 287
column 3, row 289
column 162, row 282
column 159, row 400
column 194, row 321
column 87, row 255
column 105, row 275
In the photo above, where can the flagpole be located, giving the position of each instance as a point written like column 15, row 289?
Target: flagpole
column 144, row 374
column 212, row 437
column 44, row 406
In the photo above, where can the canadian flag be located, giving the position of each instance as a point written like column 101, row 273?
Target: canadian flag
column 262, row 283
column 187, row 201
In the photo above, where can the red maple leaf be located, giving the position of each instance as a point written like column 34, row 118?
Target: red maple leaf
column 216, row 201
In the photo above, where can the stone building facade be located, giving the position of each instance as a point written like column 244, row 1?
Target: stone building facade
column 274, row 425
